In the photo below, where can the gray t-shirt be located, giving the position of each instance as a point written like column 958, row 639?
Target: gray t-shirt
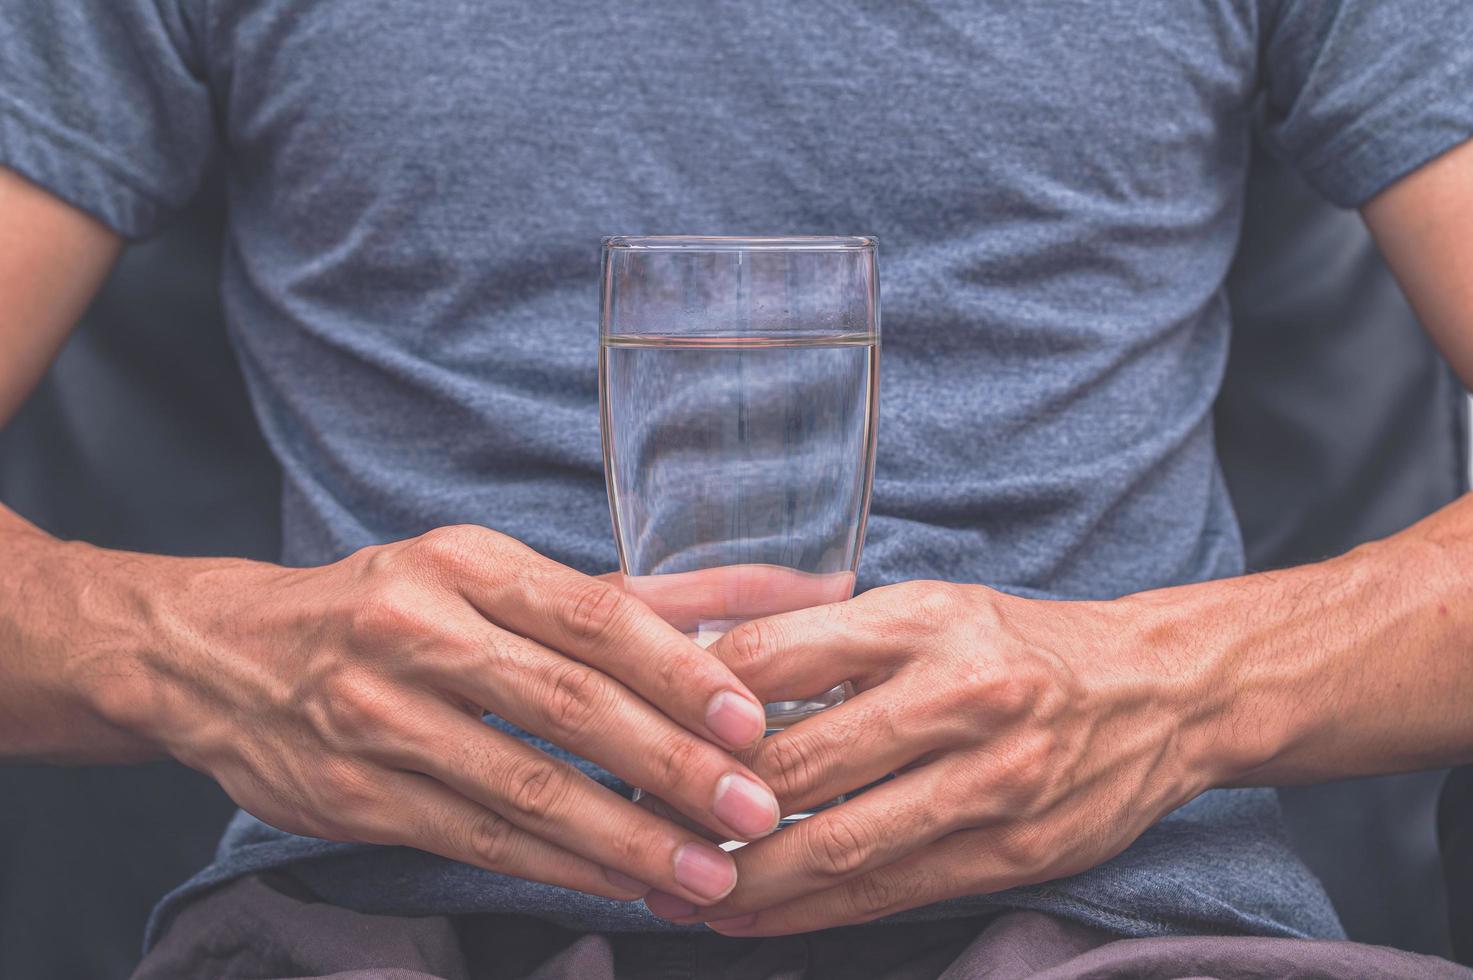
column 416, row 193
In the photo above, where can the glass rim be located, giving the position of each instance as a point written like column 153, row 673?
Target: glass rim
column 732, row 243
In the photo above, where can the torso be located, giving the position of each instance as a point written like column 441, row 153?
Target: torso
column 418, row 193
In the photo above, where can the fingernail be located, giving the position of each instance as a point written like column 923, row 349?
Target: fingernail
column 726, row 925
column 668, row 906
column 734, row 719
column 745, row 806
column 622, row 881
column 705, row 870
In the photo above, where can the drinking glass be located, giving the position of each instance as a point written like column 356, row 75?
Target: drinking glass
column 738, row 387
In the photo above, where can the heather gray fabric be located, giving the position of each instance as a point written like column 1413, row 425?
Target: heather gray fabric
column 410, row 281
column 256, row 928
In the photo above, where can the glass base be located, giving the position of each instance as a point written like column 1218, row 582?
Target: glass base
column 793, row 818
column 784, row 714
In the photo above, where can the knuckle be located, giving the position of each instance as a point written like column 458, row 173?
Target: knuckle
column 749, row 644
column 1009, row 693
column 1025, row 851
column 390, row 608
column 674, row 672
column 349, row 792
column 677, row 761
column 1032, row 760
column 934, row 605
column 354, row 707
column 1019, row 781
column 574, row 702
column 490, row 840
column 790, row 764
column 376, row 560
column 876, row 895
column 837, row 849
column 634, row 849
column 595, row 609
column 448, row 546
column 534, row 790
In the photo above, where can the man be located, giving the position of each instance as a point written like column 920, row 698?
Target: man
column 1059, row 192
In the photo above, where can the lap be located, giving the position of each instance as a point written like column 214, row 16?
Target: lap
column 268, row 927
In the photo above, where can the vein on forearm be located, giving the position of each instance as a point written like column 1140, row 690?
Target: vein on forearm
column 54, row 651
column 1357, row 665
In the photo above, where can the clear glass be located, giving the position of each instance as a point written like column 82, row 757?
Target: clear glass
column 738, row 383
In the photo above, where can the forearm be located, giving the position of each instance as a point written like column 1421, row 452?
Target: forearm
column 1358, row 665
column 81, row 630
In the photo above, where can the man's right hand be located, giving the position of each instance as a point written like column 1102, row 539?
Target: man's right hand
column 345, row 702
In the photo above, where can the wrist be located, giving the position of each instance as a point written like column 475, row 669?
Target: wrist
column 1348, row 667
column 1275, row 658
column 57, row 655
column 1228, row 695
column 154, row 628
column 105, row 648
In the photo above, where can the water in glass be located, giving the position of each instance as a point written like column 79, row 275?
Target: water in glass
column 738, row 471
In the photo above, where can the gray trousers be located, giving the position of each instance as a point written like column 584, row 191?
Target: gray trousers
column 258, row 927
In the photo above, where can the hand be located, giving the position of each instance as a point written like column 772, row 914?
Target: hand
column 733, row 593
column 345, row 701
column 1030, row 739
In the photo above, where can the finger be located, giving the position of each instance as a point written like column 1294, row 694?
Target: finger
column 734, row 592
column 801, row 654
column 598, row 624
column 589, row 714
column 657, row 806
column 846, row 747
column 955, row 866
column 834, row 845
column 551, row 800
column 426, row 815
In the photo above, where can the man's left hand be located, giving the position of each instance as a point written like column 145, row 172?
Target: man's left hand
column 1029, row 740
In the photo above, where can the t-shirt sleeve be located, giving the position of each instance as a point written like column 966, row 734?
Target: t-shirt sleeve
column 1358, row 93
column 105, row 104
